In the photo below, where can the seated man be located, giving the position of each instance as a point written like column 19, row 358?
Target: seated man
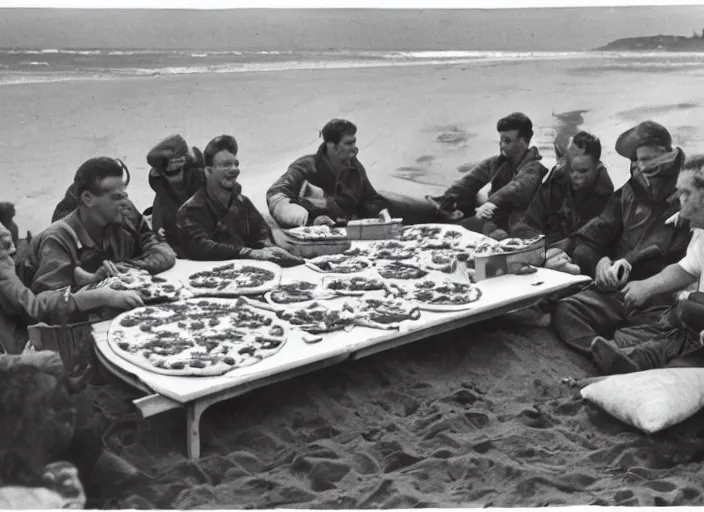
column 19, row 307
column 679, row 335
column 628, row 241
column 515, row 175
column 218, row 223
column 576, row 190
column 335, row 169
column 105, row 232
column 175, row 176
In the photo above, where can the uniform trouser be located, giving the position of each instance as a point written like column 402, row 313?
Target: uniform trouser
column 578, row 319
column 659, row 351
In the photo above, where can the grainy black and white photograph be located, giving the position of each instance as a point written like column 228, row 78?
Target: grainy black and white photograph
column 437, row 255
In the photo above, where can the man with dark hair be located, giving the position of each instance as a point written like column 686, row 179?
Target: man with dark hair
column 175, row 176
column 105, row 233
column 681, row 326
column 629, row 241
column 515, row 175
column 575, row 191
column 347, row 193
column 218, row 222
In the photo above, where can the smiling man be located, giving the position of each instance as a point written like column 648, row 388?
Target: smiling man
column 515, row 175
column 680, row 326
column 575, row 192
column 218, row 222
column 175, row 176
column 347, row 192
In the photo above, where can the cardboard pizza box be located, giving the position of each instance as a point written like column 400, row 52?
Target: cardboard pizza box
column 495, row 265
column 381, row 228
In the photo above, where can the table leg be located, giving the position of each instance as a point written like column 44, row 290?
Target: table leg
column 193, row 414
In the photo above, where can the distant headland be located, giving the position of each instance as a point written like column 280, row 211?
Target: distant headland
column 658, row 43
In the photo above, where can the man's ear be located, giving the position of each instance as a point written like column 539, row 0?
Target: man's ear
column 87, row 198
column 208, row 170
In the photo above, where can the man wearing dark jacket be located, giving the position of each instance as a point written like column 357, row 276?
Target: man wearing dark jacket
column 576, row 190
column 105, row 232
column 175, row 176
column 336, row 170
column 628, row 241
column 515, row 175
column 218, row 222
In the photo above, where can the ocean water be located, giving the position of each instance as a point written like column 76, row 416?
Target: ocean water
column 18, row 66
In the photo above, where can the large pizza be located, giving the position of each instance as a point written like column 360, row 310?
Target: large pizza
column 438, row 232
column 150, row 288
column 196, row 337
column 444, row 295
column 239, row 277
column 339, row 263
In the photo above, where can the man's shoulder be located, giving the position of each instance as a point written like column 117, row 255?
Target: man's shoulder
column 305, row 162
column 196, row 201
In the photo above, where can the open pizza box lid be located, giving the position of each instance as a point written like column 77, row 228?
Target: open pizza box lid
column 509, row 262
column 383, row 227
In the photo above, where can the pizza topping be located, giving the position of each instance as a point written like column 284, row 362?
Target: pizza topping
column 340, row 263
column 400, row 270
column 354, row 285
column 290, row 293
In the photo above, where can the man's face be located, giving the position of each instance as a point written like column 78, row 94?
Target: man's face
column 511, row 145
column 174, row 169
column 644, row 155
column 691, row 199
column 583, row 171
column 346, row 149
column 7, row 246
column 225, row 170
column 109, row 204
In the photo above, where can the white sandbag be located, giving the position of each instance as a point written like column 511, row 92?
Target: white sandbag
column 650, row 400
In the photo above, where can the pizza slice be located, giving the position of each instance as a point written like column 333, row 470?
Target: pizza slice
column 385, row 313
column 318, row 318
column 353, row 285
column 313, row 233
column 152, row 289
column 339, row 263
column 420, row 232
column 293, row 292
column 393, row 250
column 400, row 270
column 445, row 295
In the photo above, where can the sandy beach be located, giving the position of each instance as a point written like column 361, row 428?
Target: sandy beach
column 478, row 418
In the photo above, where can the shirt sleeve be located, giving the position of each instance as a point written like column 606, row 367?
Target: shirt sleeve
column 691, row 263
column 55, row 267
column 154, row 255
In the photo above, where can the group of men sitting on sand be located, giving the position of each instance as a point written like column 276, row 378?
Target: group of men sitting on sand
column 630, row 241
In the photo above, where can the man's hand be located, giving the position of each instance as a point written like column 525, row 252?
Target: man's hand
column 486, row 211
column 620, row 271
column 107, row 269
column 636, row 293
column 122, row 299
column 603, row 277
column 684, row 295
column 45, row 360
column 323, row 220
column 555, row 259
column 276, row 255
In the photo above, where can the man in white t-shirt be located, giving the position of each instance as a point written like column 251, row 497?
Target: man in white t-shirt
column 676, row 338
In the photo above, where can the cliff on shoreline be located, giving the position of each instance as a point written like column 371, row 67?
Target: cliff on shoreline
column 657, row 43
